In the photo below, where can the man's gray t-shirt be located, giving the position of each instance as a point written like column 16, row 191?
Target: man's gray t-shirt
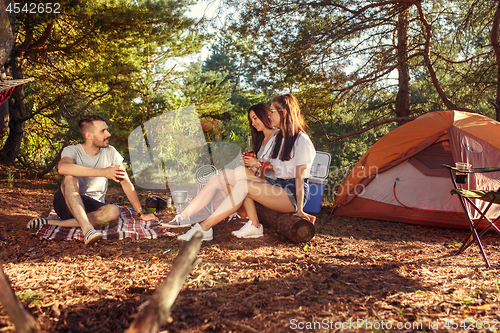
column 94, row 187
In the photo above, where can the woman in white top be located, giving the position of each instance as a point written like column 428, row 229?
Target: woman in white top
column 262, row 137
column 291, row 158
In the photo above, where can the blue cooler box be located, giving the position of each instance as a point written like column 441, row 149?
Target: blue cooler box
column 317, row 182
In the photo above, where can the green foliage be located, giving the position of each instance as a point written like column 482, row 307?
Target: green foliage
column 103, row 57
column 236, row 130
column 340, row 59
column 174, row 140
column 29, row 296
column 347, row 49
column 10, row 179
column 208, row 90
column 114, row 58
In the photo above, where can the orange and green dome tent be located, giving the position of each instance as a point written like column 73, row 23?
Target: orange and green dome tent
column 400, row 178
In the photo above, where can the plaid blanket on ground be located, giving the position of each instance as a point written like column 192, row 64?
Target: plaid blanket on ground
column 129, row 225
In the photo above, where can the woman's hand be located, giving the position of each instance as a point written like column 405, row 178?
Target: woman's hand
column 251, row 162
column 300, row 174
column 307, row 217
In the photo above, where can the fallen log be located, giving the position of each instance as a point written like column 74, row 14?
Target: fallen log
column 156, row 313
column 17, row 314
column 293, row 227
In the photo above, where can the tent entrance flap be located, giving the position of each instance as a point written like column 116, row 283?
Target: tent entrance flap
column 429, row 160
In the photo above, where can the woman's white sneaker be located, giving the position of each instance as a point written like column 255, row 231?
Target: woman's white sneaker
column 177, row 222
column 207, row 235
column 249, row 231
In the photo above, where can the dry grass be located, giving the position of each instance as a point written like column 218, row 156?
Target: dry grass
column 375, row 273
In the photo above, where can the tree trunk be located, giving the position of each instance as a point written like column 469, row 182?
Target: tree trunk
column 23, row 321
column 496, row 47
column 6, row 44
column 291, row 226
column 403, row 96
column 6, row 35
column 157, row 312
column 10, row 150
column 4, row 118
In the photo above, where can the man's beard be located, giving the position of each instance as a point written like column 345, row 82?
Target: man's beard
column 103, row 144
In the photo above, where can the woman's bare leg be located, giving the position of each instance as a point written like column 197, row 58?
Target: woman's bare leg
column 227, row 178
column 203, row 198
column 207, row 192
column 217, row 182
column 251, row 211
column 271, row 196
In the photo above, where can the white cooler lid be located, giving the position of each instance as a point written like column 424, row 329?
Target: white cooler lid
column 321, row 165
column 320, row 181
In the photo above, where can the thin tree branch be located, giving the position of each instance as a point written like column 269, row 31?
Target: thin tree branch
column 367, row 128
column 428, row 63
column 57, row 159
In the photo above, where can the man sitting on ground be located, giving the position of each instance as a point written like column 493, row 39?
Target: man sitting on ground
column 79, row 202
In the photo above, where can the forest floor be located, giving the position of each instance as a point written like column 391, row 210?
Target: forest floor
column 355, row 274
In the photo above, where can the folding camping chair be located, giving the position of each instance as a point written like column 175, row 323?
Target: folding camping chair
column 466, row 196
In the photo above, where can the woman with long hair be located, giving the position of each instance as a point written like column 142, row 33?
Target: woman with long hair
column 291, row 157
column 262, row 135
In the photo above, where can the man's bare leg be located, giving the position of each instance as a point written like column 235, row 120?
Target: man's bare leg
column 100, row 218
column 70, row 190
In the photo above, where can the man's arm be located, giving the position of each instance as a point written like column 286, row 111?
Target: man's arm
column 131, row 194
column 66, row 167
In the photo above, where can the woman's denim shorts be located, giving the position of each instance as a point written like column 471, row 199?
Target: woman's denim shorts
column 289, row 186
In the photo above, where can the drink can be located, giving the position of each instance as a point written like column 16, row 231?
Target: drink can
column 261, row 171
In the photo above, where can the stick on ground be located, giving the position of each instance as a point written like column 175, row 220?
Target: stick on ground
column 157, row 312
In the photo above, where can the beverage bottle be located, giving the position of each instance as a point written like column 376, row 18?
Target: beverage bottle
column 249, row 151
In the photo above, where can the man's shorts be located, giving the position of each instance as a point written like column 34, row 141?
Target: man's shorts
column 62, row 210
column 289, row 186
